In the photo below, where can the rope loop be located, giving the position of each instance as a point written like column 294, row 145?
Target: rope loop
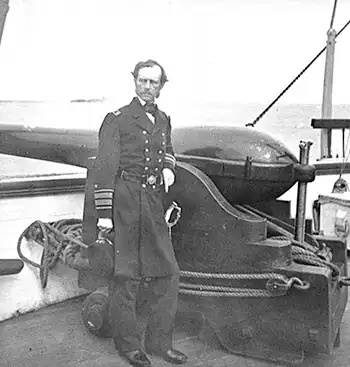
column 298, row 284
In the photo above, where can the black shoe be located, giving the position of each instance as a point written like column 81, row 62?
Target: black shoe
column 172, row 356
column 137, row 358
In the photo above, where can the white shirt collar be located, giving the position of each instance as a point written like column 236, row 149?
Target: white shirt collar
column 141, row 101
column 148, row 114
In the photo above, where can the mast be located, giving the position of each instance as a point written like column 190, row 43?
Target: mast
column 4, row 8
column 326, row 134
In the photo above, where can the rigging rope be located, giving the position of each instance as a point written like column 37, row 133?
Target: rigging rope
column 345, row 157
column 252, row 124
column 333, row 13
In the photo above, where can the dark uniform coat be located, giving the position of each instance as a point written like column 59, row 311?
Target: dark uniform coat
column 130, row 142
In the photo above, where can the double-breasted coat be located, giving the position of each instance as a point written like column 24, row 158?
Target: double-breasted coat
column 130, row 143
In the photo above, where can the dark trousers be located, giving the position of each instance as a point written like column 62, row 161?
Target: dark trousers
column 153, row 300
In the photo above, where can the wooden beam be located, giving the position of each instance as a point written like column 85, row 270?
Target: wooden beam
column 330, row 123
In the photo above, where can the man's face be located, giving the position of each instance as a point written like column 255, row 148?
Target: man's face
column 147, row 83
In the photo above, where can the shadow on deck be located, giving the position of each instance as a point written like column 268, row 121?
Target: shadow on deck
column 56, row 336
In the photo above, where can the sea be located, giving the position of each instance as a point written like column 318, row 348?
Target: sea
column 290, row 123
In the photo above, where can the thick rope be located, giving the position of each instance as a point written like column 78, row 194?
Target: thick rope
column 262, row 114
column 247, row 293
column 256, row 276
column 277, row 285
column 62, row 241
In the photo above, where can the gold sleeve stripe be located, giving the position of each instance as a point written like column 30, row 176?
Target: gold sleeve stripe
column 170, row 158
column 103, row 195
column 100, row 202
column 104, row 207
column 97, row 191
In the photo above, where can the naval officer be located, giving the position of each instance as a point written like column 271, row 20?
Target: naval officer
column 135, row 166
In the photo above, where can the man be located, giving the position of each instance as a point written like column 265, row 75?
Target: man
column 134, row 167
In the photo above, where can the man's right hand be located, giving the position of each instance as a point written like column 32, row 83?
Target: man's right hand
column 105, row 223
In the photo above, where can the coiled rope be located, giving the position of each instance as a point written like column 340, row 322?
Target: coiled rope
column 62, row 241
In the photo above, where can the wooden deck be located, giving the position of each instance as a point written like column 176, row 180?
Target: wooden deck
column 55, row 336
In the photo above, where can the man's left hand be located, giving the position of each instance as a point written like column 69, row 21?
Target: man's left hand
column 168, row 177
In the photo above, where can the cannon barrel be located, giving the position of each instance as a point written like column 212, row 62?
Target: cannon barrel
column 246, row 165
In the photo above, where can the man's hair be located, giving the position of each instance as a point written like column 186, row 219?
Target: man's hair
column 148, row 64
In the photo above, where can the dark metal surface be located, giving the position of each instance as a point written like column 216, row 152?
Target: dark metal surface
column 330, row 123
column 213, row 236
column 299, row 233
column 245, row 164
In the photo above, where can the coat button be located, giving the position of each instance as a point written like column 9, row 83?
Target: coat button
column 144, row 132
column 159, row 160
column 160, row 151
column 146, row 150
column 143, row 185
column 146, row 168
column 163, row 142
column 154, row 186
column 146, row 141
column 163, row 134
column 156, row 169
column 148, row 159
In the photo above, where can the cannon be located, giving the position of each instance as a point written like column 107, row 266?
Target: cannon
column 265, row 294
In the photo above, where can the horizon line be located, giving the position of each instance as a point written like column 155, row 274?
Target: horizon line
column 104, row 99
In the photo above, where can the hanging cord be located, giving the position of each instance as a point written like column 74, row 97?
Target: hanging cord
column 346, row 157
column 252, row 124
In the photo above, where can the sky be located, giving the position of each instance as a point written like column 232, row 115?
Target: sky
column 241, row 51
